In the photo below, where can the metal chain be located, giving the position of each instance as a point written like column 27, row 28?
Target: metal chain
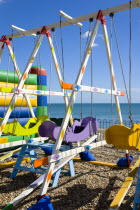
column 121, row 66
column 111, row 35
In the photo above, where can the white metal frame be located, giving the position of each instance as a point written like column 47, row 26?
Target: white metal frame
column 18, row 90
column 52, row 167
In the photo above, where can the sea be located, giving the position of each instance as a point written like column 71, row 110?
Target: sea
column 105, row 113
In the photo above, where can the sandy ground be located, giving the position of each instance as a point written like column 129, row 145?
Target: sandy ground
column 92, row 187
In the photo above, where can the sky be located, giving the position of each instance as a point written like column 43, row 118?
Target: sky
column 29, row 14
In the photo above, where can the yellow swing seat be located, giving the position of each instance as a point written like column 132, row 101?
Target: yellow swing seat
column 30, row 128
column 123, row 137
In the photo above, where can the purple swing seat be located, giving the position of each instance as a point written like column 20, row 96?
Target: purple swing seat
column 79, row 131
column 82, row 130
column 46, row 129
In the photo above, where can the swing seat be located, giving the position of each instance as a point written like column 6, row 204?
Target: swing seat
column 88, row 127
column 79, row 131
column 30, row 128
column 46, row 129
column 123, row 137
column 76, row 127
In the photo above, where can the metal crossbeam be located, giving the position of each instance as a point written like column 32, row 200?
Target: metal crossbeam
column 85, row 88
column 116, row 9
column 20, row 92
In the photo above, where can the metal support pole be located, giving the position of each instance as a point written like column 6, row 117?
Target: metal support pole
column 111, row 69
column 57, row 68
column 113, row 78
column 19, row 76
column 65, row 122
column 21, row 83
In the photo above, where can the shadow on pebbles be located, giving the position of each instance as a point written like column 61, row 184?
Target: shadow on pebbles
column 92, row 187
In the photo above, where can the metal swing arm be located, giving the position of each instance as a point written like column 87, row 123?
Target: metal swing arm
column 20, row 29
column 69, row 18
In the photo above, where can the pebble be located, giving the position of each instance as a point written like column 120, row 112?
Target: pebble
column 92, row 188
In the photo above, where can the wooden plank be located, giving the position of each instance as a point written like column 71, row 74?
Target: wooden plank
column 125, row 187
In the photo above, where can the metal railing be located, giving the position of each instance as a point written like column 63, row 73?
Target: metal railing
column 104, row 124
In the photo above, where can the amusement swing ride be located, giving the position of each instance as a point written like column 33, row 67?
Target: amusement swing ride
column 118, row 135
